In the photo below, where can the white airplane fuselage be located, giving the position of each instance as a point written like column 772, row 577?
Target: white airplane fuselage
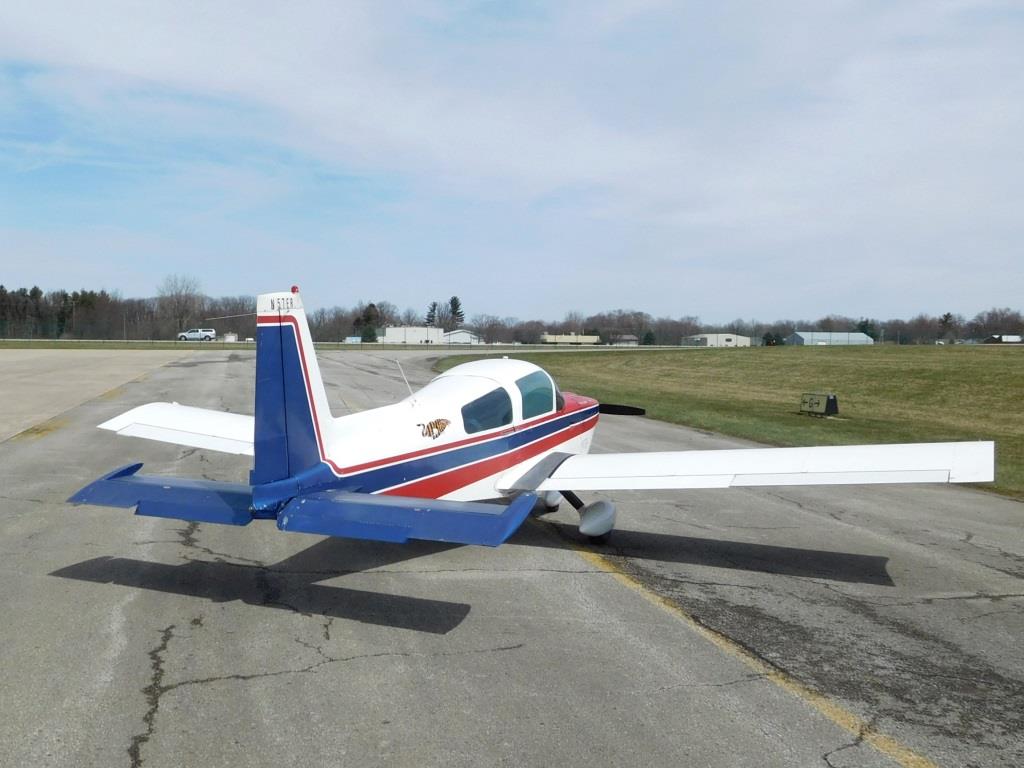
column 427, row 445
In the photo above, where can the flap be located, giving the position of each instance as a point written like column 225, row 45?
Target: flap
column 828, row 465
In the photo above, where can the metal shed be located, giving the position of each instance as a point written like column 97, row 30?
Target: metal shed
column 828, row 338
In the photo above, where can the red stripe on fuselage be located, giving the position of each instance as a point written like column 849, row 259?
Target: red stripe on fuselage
column 451, row 480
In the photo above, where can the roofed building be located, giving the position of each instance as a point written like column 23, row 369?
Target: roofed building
column 828, row 338
column 568, row 338
column 412, row 335
column 461, row 336
column 717, row 340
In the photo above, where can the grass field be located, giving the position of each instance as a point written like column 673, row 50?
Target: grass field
column 886, row 394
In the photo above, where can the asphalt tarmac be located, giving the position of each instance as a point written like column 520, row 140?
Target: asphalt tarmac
column 867, row 626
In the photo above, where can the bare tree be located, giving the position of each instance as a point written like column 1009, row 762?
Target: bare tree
column 490, row 328
column 443, row 316
column 178, row 300
column 996, row 321
column 388, row 313
column 411, row 317
column 922, row 329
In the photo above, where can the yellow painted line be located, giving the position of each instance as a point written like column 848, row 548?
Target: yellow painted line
column 41, row 429
column 839, row 715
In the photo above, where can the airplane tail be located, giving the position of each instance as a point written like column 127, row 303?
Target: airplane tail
column 290, row 481
column 291, row 403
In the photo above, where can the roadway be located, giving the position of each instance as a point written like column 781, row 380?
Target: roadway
column 779, row 627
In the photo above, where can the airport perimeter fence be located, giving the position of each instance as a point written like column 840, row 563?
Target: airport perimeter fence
column 321, row 345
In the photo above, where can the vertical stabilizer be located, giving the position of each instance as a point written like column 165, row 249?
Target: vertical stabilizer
column 291, row 404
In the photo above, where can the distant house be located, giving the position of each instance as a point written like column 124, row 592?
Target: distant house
column 461, row 336
column 1003, row 338
column 717, row 340
column 625, row 340
column 353, row 340
column 828, row 338
column 411, row 335
column 568, row 338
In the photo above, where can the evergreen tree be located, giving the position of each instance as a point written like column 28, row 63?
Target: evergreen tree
column 431, row 313
column 457, row 316
column 867, row 327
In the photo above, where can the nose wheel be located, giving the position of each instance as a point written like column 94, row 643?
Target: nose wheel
column 597, row 519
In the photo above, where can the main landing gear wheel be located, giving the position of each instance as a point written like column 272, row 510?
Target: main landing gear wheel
column 597, row 519
column 551, row 500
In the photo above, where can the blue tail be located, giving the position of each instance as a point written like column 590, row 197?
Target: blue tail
column 291, row 404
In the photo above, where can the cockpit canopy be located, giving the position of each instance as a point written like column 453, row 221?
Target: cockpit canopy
column 495, row 393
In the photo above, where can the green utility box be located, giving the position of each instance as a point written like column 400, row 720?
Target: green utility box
column 819, row 404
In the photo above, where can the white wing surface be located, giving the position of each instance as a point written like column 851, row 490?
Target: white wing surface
column 830, row 465
column 185, row 425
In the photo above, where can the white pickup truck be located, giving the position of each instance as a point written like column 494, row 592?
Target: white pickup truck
column 198, row 334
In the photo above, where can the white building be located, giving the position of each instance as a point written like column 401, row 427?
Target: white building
column 412, row 335
column 718, row 340
column 625, row 340
column 568, row 338
column 828, row 338
column 461, row 336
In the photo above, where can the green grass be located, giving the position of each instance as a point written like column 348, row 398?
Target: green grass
column 886, row 394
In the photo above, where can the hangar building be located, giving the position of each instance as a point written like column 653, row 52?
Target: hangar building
column 568, row 338
column 717, row 340
column 461, row 336
column 828, row 338
column 411, row 335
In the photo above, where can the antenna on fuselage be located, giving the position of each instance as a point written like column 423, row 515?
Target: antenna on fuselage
column 403, row 377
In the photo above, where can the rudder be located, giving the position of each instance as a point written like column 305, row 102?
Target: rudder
column 291, row 403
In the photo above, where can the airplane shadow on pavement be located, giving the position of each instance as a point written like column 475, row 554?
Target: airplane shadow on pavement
column 291, row 583
column 720, row 553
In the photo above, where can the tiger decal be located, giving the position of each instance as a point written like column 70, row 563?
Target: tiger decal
column 433, row 429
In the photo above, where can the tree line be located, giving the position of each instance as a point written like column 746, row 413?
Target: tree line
column 180, row 304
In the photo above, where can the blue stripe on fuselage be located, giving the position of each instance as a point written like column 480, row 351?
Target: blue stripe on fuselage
column 374, row 480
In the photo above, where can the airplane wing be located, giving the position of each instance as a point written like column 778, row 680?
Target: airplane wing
column 185, row 425
column 970, row 462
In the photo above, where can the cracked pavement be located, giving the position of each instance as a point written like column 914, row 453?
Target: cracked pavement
column 146, row 642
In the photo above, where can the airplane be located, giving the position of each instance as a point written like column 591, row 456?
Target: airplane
column 432, row 465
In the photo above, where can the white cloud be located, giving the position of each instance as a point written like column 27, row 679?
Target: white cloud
column 633, row 132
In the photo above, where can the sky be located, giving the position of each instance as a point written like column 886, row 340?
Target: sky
column 725, row 160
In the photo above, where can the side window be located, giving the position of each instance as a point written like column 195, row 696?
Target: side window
column 488, row 412
column 538, row 394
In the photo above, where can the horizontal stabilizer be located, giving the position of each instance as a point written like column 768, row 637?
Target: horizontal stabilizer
column 399, row 518
column 972, row 462
column 185, row 425
column 204, row 501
